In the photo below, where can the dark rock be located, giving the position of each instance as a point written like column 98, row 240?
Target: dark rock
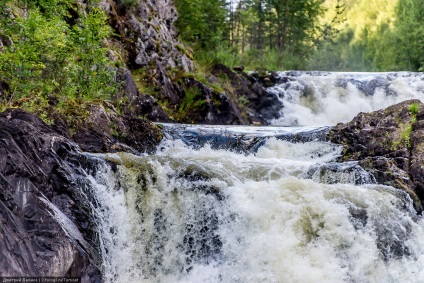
column 216, row 108
column 262, row 105
column 104, row 130
column 42, row 211
column 129, row 89
column 133, row 103
column 390, row 144
column 372, row 85
column 267, row 79
column 147, row 106
column 238, row 68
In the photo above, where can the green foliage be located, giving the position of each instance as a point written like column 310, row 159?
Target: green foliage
column 47, row 61
column 192, row 100
column 142, row 80
column 271, row 60
column 410, row 33
column 405, row 136
column 413, row 109
column 379, row 35
column 255, row 33
column 221, row 54
column 201, row 23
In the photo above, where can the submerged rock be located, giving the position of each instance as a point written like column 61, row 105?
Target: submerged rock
column 390, row 144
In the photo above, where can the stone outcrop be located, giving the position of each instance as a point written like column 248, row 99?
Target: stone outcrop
column 262, row 105
column 225, row 97
column 390, row 144
column 104, row 130
column 147, row 42
column 45, row 223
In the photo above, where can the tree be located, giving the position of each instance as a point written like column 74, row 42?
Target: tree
column 203, row 23
column 409, row 29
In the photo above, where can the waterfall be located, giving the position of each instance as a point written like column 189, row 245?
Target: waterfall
column 283, row 214
column 258, row 204
column 320, row 98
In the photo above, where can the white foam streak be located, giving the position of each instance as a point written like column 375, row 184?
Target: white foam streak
column 301, row 231
column 117, row 228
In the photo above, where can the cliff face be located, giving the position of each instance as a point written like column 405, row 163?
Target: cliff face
column 146, row 40
column 46, row 227
column 148, row 35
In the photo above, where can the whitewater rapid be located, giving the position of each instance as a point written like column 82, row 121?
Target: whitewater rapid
column 257, row 204
column 208, row 215
column 322, row 98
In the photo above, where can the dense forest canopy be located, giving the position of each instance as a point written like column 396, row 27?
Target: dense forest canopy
column 357, row 35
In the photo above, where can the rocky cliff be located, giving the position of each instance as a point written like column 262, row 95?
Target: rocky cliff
column 46, row 226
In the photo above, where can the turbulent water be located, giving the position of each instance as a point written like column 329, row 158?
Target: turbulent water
column 251, row 204
column 319, row 98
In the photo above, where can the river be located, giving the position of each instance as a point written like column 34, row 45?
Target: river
column 262, row 204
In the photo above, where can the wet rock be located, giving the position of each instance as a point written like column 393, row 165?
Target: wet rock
column 390, row 144
column 347, row 172
column 45, row 225
column 378, row 82
column 267, row 79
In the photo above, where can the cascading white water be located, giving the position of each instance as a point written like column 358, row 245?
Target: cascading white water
column 318, row 98
column 207, row 215
column 284, row 211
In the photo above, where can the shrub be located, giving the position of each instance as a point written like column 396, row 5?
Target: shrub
column 48, row 60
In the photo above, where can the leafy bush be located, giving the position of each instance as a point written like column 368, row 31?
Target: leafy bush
column 47, row 60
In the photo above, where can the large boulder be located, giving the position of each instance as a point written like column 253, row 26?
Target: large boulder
column 46, row 228
column 390, row 144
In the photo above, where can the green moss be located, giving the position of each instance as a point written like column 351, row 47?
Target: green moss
column 405, row 136
column 184, row 51
column 413, row 109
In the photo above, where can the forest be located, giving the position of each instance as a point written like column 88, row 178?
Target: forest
column 332, row 35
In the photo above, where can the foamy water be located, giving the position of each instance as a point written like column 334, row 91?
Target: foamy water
column 331, row 98
column 280, row 210
column 206, row 215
